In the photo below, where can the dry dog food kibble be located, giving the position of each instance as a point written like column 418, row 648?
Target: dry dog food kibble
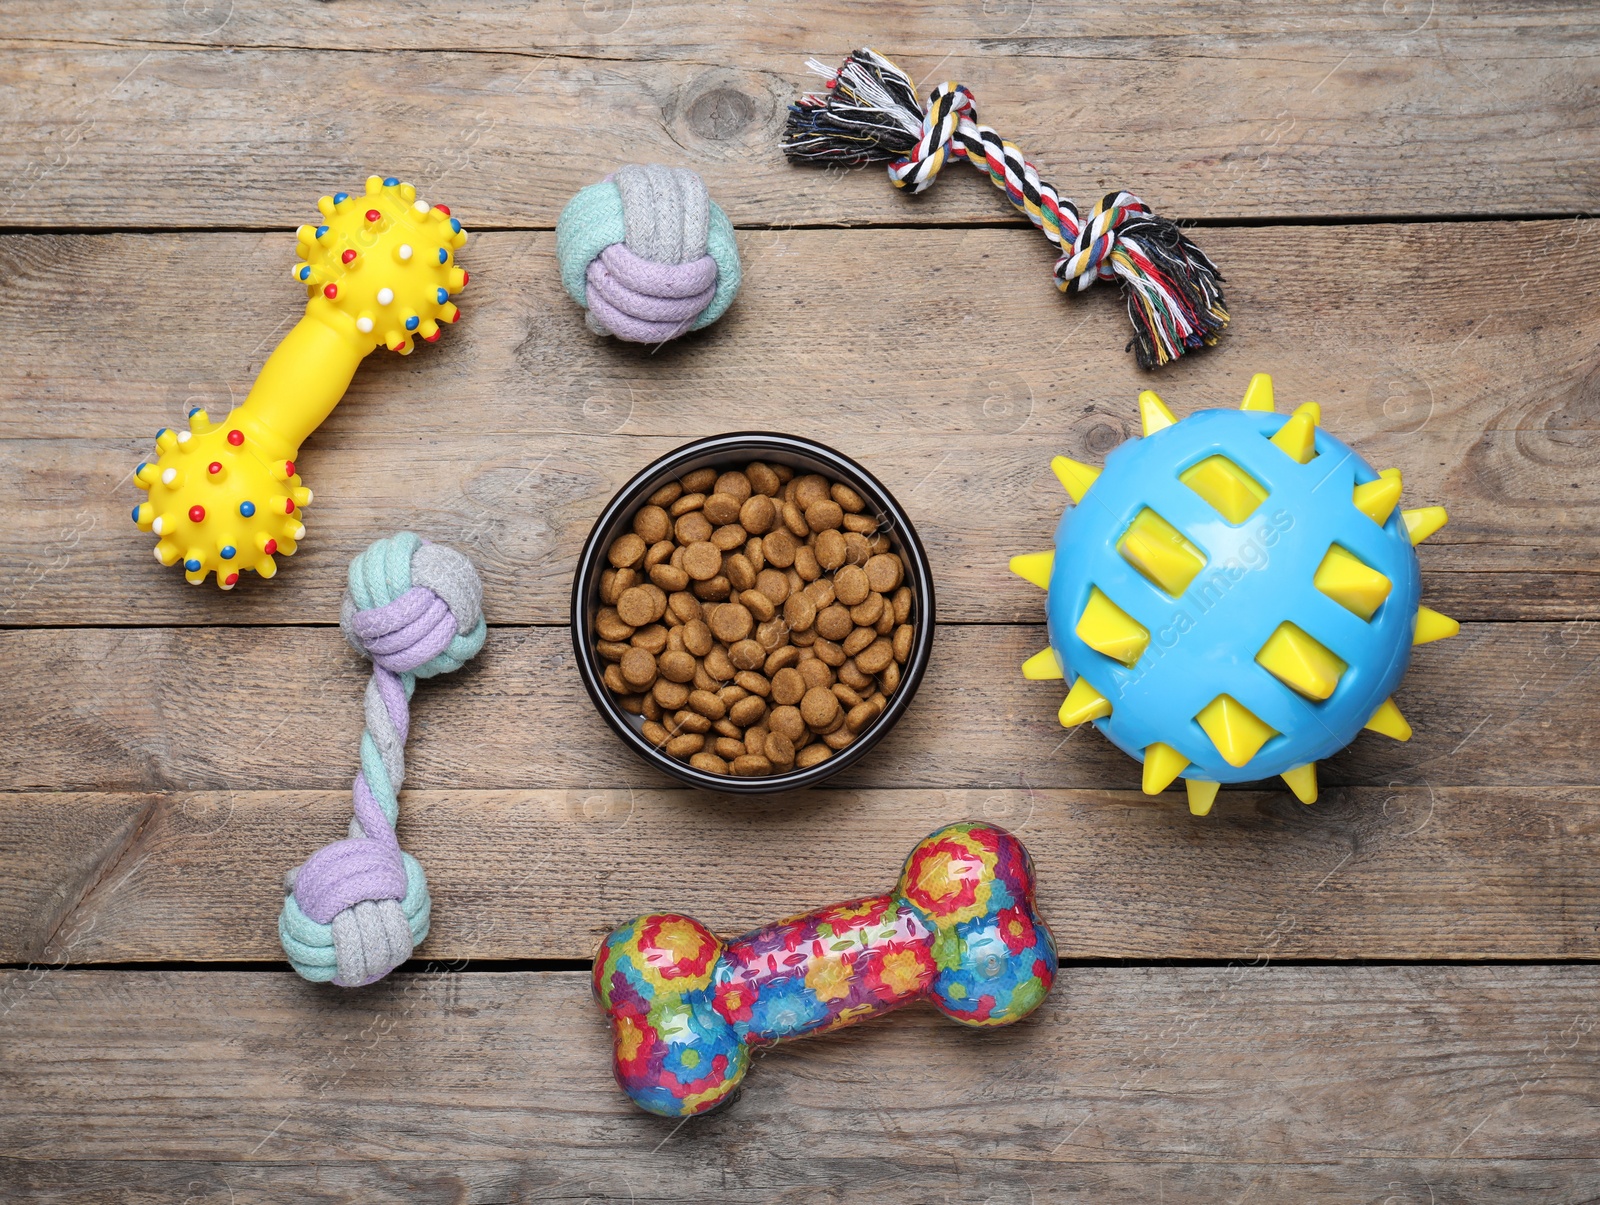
column 756, row 620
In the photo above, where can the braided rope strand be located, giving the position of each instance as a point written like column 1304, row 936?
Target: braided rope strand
column 356, row 909
column 870, row 113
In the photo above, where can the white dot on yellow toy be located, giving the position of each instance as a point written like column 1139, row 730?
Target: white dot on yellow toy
column 225, row 497
column 1239, row 601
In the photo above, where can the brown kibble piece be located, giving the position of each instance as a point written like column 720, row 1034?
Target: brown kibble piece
column 735, row 484
column 676, row 667
column 671, row 695
column 794, row 520
column 856, row 549
column 660, row 551
column 745, row 654
column 812, row 755
column 839, row 738
column 685, row 743
column 685, row 504
column 810, row 488
column 788, row 721
column 721, row 509
column 685, row 606
column 859, row 716
column 850, row 585
column 640, row 605
column 700, row 481
column 834, row 623
column 611, row 650
column 692, row 528
column 717, row 589
column 889, row 679
column 830, row 653
column 697, row 637
column 788, row 686
column 710, row 763
column 750, row 680
column 819, row 708
column 667, row 494
column 758, row 604
column 903, row 636
column 615, row 682
column 780, row 658
column 780, row 749
column 851, row 677
column 858, row 640
column 884, row 572
column 847, row 498
column 758, row 514
column 755, row 740
column 780, row 548
column 816, row 672
column 728, row 747
column 741, row 574
column 863, row 525
column 702, row 560
column 824, row 515
column 669, row 577
column 655, row 733
column 747, row 711
column 651, row 639
column 799, row 612
column 751, row 766
column 720, row 665
column 902, row 604
column 626, row 551
column 691, row 721
column 774, row 585
column 867, row 612
column 707, row 704
column 731, row 622
column 610, row 626
column 762, row 479
column 729, row 537
column 830, row 550
column 805, row 563
column 652, row 524
column 638, row 669
column 876, row 657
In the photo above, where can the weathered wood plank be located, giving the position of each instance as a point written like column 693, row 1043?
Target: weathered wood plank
column 629, row 1177
column 215, row 116
column 1368, row 1082
column 1384, row 873
column 509, row 437
column 229, row 708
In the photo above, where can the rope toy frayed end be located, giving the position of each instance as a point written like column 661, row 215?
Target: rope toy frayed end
column 648, row 254
column 869, row 113
column 356, row 909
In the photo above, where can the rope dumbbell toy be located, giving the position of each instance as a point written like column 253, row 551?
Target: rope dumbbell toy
column 356, row 909
column 870, row 113
column 648, row 254
column 225, row 496
column 959, row 930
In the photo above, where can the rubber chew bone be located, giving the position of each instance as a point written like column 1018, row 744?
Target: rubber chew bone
column 959, row 930
column 377, row 269
column 355, row 909
column 869, row 112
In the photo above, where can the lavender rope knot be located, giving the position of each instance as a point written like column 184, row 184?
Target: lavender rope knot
column 356, row 909
column 648, row 254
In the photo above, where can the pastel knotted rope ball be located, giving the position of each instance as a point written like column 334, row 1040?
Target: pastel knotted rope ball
column 356, row 909
column 648, row 254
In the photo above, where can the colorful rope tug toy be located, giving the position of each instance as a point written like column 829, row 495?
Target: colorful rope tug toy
column 1234, row 596
column 648, row 254
column 354, row 910
column 959, row 930
column 870, row 113
column 378, row 270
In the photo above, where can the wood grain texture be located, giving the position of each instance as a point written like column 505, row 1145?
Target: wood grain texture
column 1340, row 1082
column 280, row 708
column 509, row 437
column 1317, row 110
column 1381, row 873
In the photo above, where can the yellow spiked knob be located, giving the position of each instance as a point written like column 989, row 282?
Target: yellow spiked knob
column 1043, row 666
column 1107, row 628
column 1231, row 491
column 1301, row 662
column 1351, row 583
column 1083, row 703
column 1162, row 764
column 1153, row 413
column 1388, row 720
column 1034, row 567
column 1431, row 626
column 1234, row 729
column 1258, row 394
column 1376, row 499
column 1075, row 478
column 1159, row 551
column 1201, row 795
column 1302, row 781
column 1424, row 521
column 1298, row 436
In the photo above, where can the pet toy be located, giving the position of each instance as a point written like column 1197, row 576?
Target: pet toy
column 356, row 908
column 1234, row 596
column 959, row 930
column 378, row 270
column 869, row 113
column 648, row 254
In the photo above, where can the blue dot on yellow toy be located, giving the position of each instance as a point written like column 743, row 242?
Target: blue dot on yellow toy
column 1233, row 597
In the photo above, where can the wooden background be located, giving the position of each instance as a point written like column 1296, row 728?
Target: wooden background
column 1390, row 997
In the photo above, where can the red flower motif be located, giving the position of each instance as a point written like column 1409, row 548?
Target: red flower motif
column 899, row 971
column 734, row 1000
column 943, row 877
column 1016, row 929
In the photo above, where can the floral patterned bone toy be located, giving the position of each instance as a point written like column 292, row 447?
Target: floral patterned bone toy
column 379, row 269
column 959, row 930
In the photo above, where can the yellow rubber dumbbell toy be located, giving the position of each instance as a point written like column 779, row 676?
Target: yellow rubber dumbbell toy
column 225, row 496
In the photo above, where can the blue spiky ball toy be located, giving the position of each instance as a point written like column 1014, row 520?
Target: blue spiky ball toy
column 1233, row 597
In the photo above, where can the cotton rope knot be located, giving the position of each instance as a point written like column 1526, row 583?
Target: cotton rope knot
column 870, row 113
column 356, row 909
column 648, row 254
